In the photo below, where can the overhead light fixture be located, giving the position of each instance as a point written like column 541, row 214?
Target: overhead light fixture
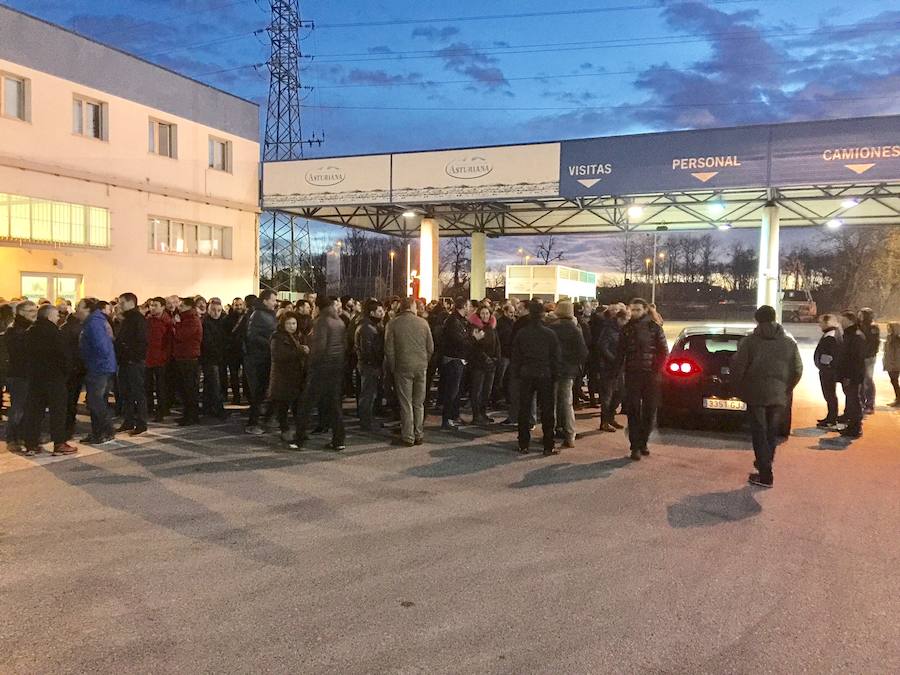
column 849, row 203
column 834, row 223
column 635, row 211
column 409, row 213
column 717, row 207
column 724, row 227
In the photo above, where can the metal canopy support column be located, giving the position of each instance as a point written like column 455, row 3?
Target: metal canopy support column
column 479, row 266
column 769, row 280
column 429, row 259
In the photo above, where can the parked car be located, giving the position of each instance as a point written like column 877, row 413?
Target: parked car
column 696, row 382
column 798, row 305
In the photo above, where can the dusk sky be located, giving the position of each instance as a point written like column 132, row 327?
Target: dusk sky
column 396, row 75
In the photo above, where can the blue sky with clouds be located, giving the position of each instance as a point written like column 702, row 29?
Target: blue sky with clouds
column 399, row 75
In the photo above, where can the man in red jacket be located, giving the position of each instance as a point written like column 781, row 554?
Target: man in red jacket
column 186, row 352
column 159, row 352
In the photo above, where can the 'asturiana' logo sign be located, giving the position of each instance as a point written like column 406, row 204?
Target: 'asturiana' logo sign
column 469, row 167
column 325, row 176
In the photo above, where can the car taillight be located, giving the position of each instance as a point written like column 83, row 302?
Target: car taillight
column 682, row 368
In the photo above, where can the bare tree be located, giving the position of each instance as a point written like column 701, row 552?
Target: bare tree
column 456, row 261
column 548, row 251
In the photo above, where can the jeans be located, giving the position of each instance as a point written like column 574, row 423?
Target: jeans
column 369, row 377
column 97, row 386
column 324, row 389
column 73, row 393
column 530, row 385
column 133, row 394
column 45, row 394
column 451, row 378
column 565, row 412
column 189, row 387
column 257, row 372
column 868, row 391
column 157, row 390
column 410, row 388
column 481, row 383
column 515, row 387
column 233, row 366
column 213, row 403
column 829, row 391
column 18, row 396
column 764, row 421
column 609, row 390
column 853, row 409
column 642, row 398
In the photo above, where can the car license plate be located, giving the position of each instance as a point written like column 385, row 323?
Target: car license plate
column 724, row 404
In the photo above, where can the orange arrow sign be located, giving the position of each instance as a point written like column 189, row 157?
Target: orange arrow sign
column 703, row 177
column 859, row 168
column 589, row 182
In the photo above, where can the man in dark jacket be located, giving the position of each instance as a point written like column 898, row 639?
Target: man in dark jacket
column 324, row 380
column 505, row 321
column 258, row 359
column 852, row 373
column 48, row 373
column 535, row 365
column 186, row 346
column 642, row 353
column 212, row 358
column 369, row 348
column 827, row 358
column 234, row 353
column 606, row 370
column 98, row 353
column 457, row 350
column 573, row 353
column 18, row 373
column 767, row 367
column 71, row 334
column 131, row 353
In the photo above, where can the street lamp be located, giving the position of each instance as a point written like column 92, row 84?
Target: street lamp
column 392, row 254
column 661, row 256
column 521, row 252
column 527, row 258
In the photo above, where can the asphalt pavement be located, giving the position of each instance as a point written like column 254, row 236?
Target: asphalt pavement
column 205, row 550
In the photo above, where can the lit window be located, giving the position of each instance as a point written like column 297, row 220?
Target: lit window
column 219, row 154
column 14, row 97
column 163, row 139
column 89, row 118
column 45, row 221
column 172, row 236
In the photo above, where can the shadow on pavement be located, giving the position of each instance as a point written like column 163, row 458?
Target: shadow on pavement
column 463, row 460
column 833, row 443
column 808, row 432
column 570, row 473
column 707, row 440
column 714, row 508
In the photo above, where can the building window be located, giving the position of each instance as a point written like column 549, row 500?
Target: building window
column 174, row 236
column 14, row 97
column 163, row 139
column 219, row 154
column 89, row 118
column 47, row 222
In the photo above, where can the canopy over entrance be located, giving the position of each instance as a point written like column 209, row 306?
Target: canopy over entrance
column 815, row 172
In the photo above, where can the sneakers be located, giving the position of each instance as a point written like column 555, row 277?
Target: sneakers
column 403, row 443
column 419, row 441
column 608, row 428
column 760, row 480
column 335, row 447
column 449, row 425
column 64, row 449
column 825, row 423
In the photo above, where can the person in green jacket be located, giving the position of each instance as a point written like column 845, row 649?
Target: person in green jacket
column 768, row 367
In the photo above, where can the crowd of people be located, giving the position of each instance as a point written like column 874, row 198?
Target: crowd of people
column 297, row 362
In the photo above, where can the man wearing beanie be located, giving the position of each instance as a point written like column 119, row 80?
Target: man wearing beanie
column 766, row 367
column 573, row 352
column 535, row 362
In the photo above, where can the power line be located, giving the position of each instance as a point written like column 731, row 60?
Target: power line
column 516, row 15
column 599, row 44
column 643, row 106
column 150, row 22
